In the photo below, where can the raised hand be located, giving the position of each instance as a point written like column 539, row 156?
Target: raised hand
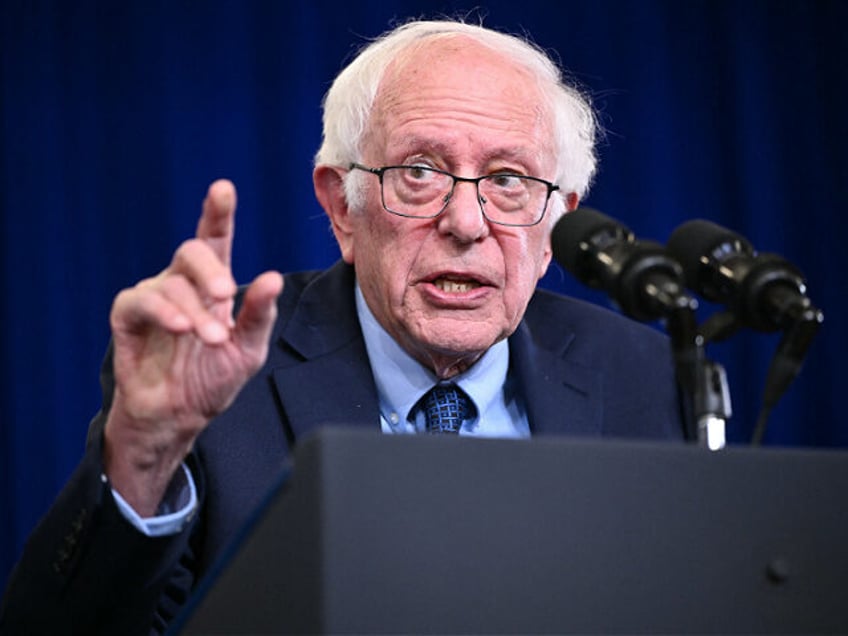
column 179, row 357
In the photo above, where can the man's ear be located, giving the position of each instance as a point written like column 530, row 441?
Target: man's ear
column 571, row 200
column 329, row 190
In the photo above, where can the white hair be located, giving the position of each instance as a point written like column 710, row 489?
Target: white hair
column 348, row 103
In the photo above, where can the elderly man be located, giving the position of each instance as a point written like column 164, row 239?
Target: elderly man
column 449, row 152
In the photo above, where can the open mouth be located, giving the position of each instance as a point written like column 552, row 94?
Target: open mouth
column 456, row 285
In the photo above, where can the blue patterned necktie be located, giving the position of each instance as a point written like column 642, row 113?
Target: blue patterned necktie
column 446, row 407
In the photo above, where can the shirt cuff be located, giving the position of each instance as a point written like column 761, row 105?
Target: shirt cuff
column 174, row 513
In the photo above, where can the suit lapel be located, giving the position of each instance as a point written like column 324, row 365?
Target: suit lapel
column 561, row 396
column 321, row 371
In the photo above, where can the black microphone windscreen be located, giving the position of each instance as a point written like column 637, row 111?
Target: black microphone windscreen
column 696, row 240
column 579, row 226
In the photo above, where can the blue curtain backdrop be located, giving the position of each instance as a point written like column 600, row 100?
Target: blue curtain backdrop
column 117, row 115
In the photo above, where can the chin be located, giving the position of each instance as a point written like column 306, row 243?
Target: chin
column 451, row 340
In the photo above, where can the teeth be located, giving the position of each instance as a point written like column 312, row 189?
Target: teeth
column 455, row 287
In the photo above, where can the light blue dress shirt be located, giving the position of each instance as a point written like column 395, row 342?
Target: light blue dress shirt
column 176, row 510
column 401, row 381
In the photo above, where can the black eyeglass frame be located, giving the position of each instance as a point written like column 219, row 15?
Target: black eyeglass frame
column 551, row 188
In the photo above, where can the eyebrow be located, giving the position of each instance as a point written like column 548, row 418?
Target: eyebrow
column 424, row 145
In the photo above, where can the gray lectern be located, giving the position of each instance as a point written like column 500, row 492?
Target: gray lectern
column 387, row 534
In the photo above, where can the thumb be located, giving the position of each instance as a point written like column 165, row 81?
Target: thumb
column 257, row 315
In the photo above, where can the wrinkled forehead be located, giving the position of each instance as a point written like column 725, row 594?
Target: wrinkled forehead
column 437, row 72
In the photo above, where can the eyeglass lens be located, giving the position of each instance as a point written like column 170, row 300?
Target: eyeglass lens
column 418, row 191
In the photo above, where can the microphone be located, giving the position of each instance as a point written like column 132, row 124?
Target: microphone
column 640, row 276
column 647, row 284
column 763, row 291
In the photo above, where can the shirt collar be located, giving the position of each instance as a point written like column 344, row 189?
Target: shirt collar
column 401, row 380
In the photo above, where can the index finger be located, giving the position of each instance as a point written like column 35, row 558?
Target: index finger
column 217, row 220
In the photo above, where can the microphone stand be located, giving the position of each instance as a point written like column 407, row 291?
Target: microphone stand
column 786, row 363
column 706, row 396
column 712, row 404
column 703, row 383
column 800, row 321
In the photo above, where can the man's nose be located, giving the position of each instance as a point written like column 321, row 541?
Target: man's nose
column 463, row 215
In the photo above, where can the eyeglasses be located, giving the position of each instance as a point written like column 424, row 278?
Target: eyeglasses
column 420, row 192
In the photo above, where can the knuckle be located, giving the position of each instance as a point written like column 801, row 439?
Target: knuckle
column 191, row 255
column 120, row 305
column 185, row 253
column 175, row 285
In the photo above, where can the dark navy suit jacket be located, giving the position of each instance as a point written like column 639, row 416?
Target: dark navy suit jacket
column 581, row 369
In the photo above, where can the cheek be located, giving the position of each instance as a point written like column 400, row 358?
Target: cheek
column 540, row 246
column 527, row 256
column 526, row 259
column 385, row 253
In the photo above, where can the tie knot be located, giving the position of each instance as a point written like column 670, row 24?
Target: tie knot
column 446, row 407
